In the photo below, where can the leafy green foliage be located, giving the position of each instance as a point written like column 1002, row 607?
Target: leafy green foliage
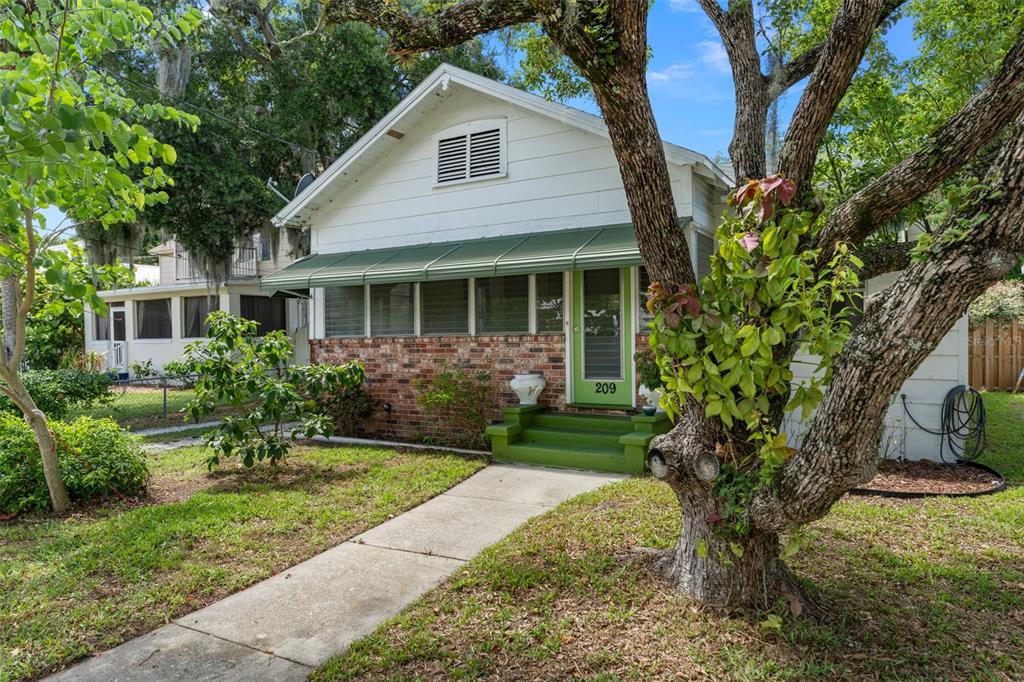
column 347, row 405
column 54, row 329
column 236, row 367
column 58, row 391
column 1003, row 301
column 97, row 459
column 70, row 134
column 648, row 372
column 728, row 348
column 457, row 401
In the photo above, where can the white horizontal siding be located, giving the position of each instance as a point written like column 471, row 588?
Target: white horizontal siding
column 945, row 368
column 558, row 177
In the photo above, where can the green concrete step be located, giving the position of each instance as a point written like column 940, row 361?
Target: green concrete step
column 585, row 422
column 550, row 454
column 579, row 437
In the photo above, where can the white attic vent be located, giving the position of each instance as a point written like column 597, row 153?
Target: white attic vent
column 471, row 151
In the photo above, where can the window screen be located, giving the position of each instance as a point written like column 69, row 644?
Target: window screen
column 391, row 309
column 101, row 326
column 705, row 249
column 153, row 319
column 550, row 303
column 194, row 311
column 444, row 307
column 502, row 305
column 643, row 282
column 345, row 311
column 268, row 312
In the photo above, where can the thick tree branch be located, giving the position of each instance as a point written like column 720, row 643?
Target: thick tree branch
column 848, row 39
column 899, row 330
column 736, row 28
column 883, row 257
column 447, row 27
column 946, row 151
column 803, row 65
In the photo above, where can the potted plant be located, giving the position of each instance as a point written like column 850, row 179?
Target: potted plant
column 651, row 385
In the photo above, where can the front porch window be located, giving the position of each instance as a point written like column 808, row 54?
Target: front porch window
column 444, row 307
column 195, row 310
column 345, row 310
column 268, row 312
column 153, row 319
column 502, row 305
column 391, row 310
column 550, row 302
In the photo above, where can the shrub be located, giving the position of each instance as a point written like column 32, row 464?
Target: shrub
column 1003, row 301
column 142, row 370
column 178, row 372
column 234, row 366
column 647, row 370
column 97, row 459
column 345, row 402
column 57, row 391
column 458, row 402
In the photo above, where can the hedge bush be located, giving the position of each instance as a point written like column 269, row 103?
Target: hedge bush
column 97, row 459
column 1003, row 302
column 57, row 391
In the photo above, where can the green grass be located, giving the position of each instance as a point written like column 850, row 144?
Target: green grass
column 73, row 586
column 142, row 407
column 171, row 436
column 922, row 590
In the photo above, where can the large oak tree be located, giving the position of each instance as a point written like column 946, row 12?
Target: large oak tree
column 606, row 41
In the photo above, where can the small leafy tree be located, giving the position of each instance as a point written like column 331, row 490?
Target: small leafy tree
column 70, row 136
column 236, row 367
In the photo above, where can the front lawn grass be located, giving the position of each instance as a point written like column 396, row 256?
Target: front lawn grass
column 922, row 590
column 78, row 585
column 139, row 407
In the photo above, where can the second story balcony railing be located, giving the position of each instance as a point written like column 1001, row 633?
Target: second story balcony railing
column 243, row 265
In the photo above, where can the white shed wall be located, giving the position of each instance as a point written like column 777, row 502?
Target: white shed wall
column 944, row 369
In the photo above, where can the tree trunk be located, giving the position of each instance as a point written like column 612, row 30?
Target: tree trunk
column 9, row 288
column 36, row 419
column 710, row 563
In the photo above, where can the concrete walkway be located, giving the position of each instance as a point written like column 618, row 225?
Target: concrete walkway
column 283, row 627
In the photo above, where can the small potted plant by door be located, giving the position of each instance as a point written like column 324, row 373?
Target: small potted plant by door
column 651, row 386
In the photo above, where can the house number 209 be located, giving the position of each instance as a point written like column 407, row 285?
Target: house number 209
column 605, row 387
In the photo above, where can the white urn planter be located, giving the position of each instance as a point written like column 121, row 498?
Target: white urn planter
column 528, row 387
column 652, row 397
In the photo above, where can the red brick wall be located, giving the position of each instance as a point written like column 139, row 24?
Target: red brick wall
column 393, row 365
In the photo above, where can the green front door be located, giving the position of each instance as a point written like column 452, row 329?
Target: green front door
column 602, row 337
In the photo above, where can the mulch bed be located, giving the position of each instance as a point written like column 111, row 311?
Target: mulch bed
column 923, row 478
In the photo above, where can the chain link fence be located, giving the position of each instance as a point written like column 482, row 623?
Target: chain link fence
column 151, row 402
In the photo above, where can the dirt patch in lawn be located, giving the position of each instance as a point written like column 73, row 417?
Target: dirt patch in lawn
column 931, row 478
column 309, row 477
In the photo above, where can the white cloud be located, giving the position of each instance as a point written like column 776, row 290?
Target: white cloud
column 713, row 54
column 684, row 5
column 671, row 74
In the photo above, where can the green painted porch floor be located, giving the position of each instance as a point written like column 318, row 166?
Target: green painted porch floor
column 599, row 442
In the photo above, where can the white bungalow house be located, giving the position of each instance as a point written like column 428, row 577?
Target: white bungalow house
column 154, row 321
column 486, row 227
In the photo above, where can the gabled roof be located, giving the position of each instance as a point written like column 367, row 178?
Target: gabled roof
column 420, row 103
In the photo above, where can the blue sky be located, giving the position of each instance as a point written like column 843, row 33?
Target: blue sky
column 690, row 82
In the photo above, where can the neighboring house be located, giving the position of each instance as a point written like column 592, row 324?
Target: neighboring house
column 486, row 227
column 154, row 322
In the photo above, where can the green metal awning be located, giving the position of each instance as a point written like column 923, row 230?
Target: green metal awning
column 533, row 253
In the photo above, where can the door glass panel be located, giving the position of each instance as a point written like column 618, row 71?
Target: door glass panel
column 602, row 324
column 118, row 316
